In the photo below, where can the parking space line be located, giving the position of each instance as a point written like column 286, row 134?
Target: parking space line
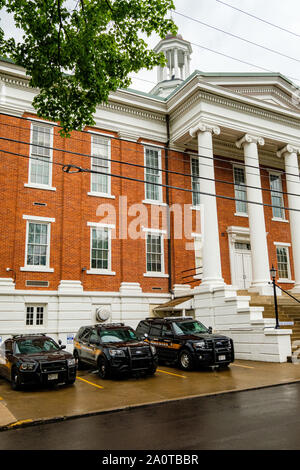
column 91, row 383
column 239, row 365
column 171, row 373
column 19, row 423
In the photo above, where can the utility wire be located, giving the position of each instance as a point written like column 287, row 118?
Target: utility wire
column 237, row 37
column 162, row 147
column 72, row 169
column 136, row 165
column 259, row 19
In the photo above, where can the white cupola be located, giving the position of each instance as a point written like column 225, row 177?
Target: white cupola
column 177, row 52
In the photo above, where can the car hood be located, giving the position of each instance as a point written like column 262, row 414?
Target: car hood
column 206, row 336
column 54, row 356
column 126, row 344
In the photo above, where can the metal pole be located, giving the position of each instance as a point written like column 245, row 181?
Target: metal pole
column 275, row 304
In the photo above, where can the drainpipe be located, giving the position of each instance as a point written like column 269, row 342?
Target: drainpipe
column 169, row 231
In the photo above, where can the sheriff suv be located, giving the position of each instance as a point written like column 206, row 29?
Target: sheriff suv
column 186, row 342
column 114, row 348
column 35, row 359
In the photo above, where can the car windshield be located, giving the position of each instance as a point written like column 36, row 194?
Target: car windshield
column 117, row 336
column 35, row 345
column 189, row 327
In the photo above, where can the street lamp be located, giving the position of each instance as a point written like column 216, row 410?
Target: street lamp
column 273, row 275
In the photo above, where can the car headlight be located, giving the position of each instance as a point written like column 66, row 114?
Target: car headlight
column 199, row 344
column 116, row 353
column 71, row 362
column 27, row 366
column 153, row 349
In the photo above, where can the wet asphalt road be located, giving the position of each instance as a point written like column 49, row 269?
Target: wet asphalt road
column 260, row 419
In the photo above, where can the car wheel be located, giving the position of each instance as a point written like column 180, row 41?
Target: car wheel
column 78, row 361
column 151, row 371
column 185, row 360
column 15, row 380
column 70, row 382
column 104, row 372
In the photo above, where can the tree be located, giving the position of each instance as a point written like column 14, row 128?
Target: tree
column 78, row 51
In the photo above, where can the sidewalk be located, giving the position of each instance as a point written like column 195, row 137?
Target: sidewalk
column 91, row 395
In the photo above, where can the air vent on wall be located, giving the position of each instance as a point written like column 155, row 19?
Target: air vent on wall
column 39, row 204
column 37, row 283
column 156, row 288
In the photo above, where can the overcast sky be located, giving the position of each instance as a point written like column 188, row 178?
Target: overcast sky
column 285, row 14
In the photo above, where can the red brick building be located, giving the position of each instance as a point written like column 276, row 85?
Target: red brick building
column 219, row 151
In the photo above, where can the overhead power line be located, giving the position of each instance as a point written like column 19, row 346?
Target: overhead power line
column 259, row 19
column 238, row 37
column 143, row 144
column 74, row 169
column 162, row 170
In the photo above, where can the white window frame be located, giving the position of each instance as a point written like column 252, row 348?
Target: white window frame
column 35, row 307
column 107, row 194
column 32, row 158
column 286, row 246
column 238, row 213
column 109, row 227
column 161, row 233
column 160, row 192
column 198, row 239
column 274, row 218
column 38, row 220
column 195, row 206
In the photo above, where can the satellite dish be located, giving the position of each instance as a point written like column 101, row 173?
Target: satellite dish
column 102, row 313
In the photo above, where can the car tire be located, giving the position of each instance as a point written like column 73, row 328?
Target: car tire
column 80, row 364
column 185, row 360
column 103, row 368
column 15, row 380
column 151, row 371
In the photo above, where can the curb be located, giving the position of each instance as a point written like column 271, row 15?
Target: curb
column 41, row 421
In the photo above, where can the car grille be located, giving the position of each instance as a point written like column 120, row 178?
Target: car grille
column 140, row 352
column 222, row 344
column 208, row 344
column 55, row 366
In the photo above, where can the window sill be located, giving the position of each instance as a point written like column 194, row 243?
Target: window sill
column 277, row 219
column 285, row 281
column 195, row 208
column 105, row 195
column 37, row 269
column 155, row 203
column 101, row 272
column 39, row 186
column 156, row 275
column 241, row 214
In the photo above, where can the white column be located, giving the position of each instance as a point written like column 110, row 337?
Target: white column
column 176, row 68
column 212, row 272
column 258, row 237
column 186, row 66
column 165, row 69
column 290, row 155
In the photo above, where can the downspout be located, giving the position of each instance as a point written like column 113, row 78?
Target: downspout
column 169, row 234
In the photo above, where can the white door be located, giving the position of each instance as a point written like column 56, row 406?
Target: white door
column 242, row 275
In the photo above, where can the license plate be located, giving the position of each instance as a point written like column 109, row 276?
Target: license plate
column 52, row 376
column 221, row 358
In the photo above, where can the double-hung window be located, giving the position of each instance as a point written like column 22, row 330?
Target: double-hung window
column 37, row 250
column 195, row 181
column 153, row 174
column 100, row 163
column 283, row 262
column 100, row 248
column 240, row 193
column 154, row 253
column 276, row 196
column 40, row 166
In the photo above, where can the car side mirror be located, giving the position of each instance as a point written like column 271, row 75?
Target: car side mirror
column 210, row 330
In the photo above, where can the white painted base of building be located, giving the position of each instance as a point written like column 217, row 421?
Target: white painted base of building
column 70, row 307
column 255, row 338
